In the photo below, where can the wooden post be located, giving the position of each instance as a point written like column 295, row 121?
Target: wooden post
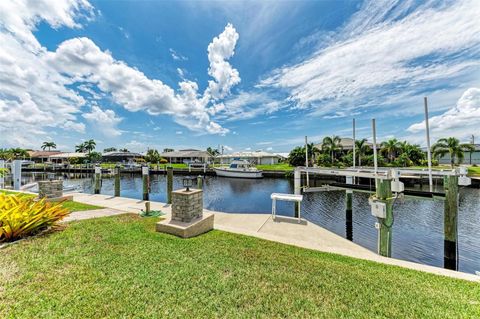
column 117, row 181
column 147, row 207
column 384, row 194
column 199, row 182
column 297, row 187
column 98, row 179
column 348, row 215
column 169, row 184
column 145, row 182
column 450, row 184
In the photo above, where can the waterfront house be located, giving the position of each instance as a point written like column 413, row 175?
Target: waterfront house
column 120, row 157
column 187, row 156
column 256, row 157
column 42, row 156
column 65, row 158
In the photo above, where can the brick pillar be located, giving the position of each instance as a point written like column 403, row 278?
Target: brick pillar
column 50, row 189
column 187, row 206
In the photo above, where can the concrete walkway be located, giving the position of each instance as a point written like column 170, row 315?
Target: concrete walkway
column 282, row 229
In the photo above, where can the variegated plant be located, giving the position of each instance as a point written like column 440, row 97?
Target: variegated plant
column 21, row 216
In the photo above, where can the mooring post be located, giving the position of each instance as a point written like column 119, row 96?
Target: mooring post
column 384, row 195
column 297, row 187
column 169, row 184
column 348, row 214
column 97, row 179
column 145, row 182
column 348, row 209
column 147, row 207
column 117, row 181
column 17, row 174
column 199, row 182
column 450, row 184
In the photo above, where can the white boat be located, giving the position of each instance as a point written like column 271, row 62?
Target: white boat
column 33, row 187
column 239, row 169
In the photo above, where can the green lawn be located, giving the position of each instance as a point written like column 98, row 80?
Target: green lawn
column 119, row 267
column 276, row 167
column 474, row 171
column 71, row 205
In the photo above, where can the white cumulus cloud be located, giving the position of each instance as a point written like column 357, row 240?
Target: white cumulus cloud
column 41, row 89
column 461, row 121
column 225, row 76
column 105, row 121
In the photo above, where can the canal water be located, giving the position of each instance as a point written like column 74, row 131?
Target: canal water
column 417, row 229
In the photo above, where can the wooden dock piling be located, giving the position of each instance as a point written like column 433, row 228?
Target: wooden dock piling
column 348, row 214
column 145, row 182
column 117, row 181
column 199, row 182
column 297, row 184
column 384, row 194
column 450, row 184
column 97, row 179
column 169, row 184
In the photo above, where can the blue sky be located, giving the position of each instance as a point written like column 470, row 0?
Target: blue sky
column 246, row 75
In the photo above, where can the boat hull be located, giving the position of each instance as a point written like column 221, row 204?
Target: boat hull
column 238, row 174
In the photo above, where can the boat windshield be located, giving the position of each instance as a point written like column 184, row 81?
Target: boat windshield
column 239, row 165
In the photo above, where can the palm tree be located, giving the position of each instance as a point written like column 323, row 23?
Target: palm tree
column 331, row 145
column 391, row 148
column 213, row 151
column 152, row 156
column 453, row 147
column 5, row 154
column 361, row 149
column 296, row 157
column 48, row 145
column 17, row 153
column 90, row 145
column 80, row 148
column 412, row 151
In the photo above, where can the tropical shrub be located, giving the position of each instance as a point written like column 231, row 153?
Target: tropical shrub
column 94, row 157
column 347, row 159
column 163, row 161
column 21, row 216
column 425, row 162
column 297, row 155
column 324, row 159
column 152, row 156
column 403, row 160
column 368, row 160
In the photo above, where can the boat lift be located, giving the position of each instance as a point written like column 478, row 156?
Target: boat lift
column 393, row 174
column 388, row 187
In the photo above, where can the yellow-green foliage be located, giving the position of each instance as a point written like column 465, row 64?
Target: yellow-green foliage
column 21, row 216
